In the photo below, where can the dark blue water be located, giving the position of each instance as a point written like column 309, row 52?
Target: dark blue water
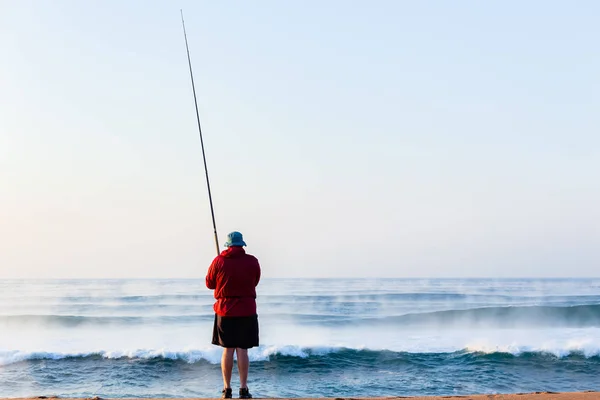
column 342, row 373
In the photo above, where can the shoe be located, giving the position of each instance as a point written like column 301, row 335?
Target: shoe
column 245, row 394
column 227, row 394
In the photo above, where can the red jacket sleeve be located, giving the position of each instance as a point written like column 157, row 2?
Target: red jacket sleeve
column 211, row 275
column 257, row 273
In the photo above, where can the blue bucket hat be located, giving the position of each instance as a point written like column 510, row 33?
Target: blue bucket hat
column 235, row 239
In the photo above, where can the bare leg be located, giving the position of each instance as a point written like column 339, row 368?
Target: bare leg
column 243, row 365
column 227, row 366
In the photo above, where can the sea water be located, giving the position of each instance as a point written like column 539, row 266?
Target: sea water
column 319, row 337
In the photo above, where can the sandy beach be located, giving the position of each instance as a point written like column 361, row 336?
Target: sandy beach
column 587, row 395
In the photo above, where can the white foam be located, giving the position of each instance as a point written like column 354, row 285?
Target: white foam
column 211, row 355
column 560, row 343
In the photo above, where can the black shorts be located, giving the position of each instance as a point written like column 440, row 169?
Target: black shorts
column 235, row 332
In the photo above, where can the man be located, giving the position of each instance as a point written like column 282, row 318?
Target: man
column 234, row 275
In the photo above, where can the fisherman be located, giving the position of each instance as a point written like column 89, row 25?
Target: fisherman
column 234, row 276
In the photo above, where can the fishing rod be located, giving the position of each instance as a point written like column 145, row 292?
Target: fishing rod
column 212, row 210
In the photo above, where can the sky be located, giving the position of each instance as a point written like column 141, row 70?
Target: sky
column 343, row 138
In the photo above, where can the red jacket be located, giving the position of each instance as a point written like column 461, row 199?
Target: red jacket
column 234, row 275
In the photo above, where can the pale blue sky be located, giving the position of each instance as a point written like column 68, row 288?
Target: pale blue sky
column 343, row 138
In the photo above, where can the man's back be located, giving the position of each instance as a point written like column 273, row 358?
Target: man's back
column 234, row 275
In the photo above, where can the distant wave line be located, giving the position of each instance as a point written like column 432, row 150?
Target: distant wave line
column 483, row 317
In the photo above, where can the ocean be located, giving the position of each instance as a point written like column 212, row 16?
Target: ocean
column 319, row 337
